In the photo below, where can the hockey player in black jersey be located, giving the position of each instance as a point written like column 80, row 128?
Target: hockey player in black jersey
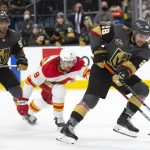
column 125, row 51
column 10, row 44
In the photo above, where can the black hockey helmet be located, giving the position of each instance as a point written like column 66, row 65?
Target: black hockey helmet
column 4, row 17
column 142, row 26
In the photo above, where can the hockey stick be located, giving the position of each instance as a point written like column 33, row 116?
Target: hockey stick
column 128, row 88
column 5, row 66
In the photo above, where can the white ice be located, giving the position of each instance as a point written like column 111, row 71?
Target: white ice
column 94, row 132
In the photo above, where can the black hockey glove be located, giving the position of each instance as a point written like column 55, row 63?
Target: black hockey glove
column 122, row 74
column 99, row 59
column 22, row 64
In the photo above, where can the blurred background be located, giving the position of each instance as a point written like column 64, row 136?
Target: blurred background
column 64, row 22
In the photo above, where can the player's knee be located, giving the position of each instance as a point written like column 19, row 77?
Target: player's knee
column 16, row 91
column 90, row 100
column 141, row 89
column 59, row 93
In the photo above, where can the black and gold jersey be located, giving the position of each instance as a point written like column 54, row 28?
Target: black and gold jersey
column 113, row 43
column 10, row 45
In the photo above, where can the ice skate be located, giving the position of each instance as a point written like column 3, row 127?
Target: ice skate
column 59, row 123
column 124, row 126
column 67, row 134
column 30, row 119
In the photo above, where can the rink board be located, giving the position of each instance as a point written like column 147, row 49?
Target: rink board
column 35, row 54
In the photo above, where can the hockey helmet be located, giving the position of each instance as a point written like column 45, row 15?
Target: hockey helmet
column 4, row 17
column 142, row 27
column 68, row 55
column 67, row 59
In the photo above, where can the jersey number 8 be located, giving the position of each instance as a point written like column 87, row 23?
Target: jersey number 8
column 105, row 29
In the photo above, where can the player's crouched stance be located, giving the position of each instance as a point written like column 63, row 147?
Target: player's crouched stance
column 124, row 53
column 51, row 76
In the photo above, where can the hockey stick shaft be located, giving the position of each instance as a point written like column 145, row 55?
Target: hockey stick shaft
column 112, row 72
column 6, row 66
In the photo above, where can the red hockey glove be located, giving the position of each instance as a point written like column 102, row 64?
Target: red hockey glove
column 22, row 106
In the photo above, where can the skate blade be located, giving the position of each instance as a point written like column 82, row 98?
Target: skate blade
column 124, row 131
column 61, row 137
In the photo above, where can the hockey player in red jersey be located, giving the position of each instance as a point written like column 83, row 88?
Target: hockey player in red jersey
column 51, row 76
column 124, row 50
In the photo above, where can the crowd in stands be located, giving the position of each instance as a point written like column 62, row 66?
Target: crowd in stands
column 64, row 31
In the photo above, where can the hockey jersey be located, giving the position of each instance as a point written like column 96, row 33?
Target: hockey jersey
column 49, row 70
column 113, row 44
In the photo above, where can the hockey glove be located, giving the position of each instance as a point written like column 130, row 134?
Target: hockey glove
column 22, row 106
column 122, row 75
column 101, row 64
column 22, row 64
column 100, row 57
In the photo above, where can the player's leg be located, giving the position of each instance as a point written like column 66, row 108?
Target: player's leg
column 98, row 86
column 11, row 83
column 124, row 124
column 40, row 103
column 58, row 98
column 34, row 107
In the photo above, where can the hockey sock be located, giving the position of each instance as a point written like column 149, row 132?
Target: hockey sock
column 33, row 108
column 133, row 104
column 78, row 114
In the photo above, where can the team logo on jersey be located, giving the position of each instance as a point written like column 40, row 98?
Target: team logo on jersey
column 119, row 42
column 4, row 55
column 119, row 57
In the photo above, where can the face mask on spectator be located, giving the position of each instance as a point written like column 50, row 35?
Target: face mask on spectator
column 104, row 8
column 26, row 16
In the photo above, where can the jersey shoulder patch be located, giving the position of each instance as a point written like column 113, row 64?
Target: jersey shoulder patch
column 96, row 31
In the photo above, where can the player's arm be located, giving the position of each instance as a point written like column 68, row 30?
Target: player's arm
column 98, row 37
column 84, row 71
column 17, row 51
column 128, row 69
column 35, row 79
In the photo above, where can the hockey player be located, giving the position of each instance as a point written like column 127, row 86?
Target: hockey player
column 52, row 76
column 10, row 44
column 124, row 50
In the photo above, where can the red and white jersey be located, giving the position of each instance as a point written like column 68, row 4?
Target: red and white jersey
column 50, row 71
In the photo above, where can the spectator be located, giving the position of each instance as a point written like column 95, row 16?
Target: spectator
column 104, row 16
column 77, row 19
column 38, row 37
column 17, row 8
column 24, row 27
column 4, row 6
column 145, row 9
column 63, row 32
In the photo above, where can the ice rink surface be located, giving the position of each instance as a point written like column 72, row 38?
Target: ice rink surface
column 94, row 132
